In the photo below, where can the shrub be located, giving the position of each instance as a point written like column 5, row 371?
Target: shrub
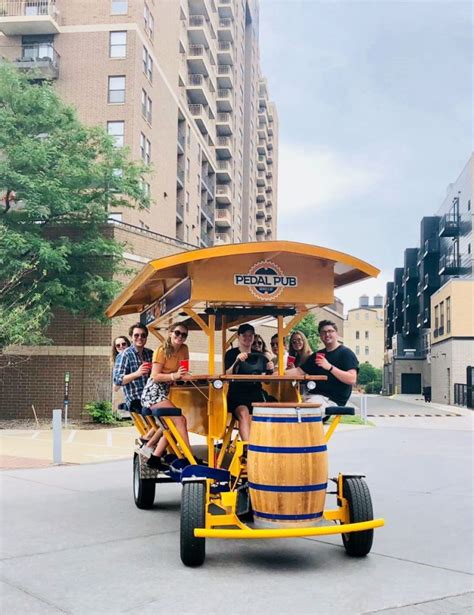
column 101, row 412
column 373, row 387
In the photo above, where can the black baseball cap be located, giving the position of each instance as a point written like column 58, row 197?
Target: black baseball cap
column 244, row 328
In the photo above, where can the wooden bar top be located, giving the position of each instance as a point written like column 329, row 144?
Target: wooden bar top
column 277, row 404
column 246, row 377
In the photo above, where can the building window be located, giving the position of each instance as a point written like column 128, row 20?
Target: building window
column 357, row 315
column 436, row 316
column 366, row 350
column 357, row 350
column 147, row 64
column 441, row 314
column 118, row 45
column 188, row 168
column 116, row 91
column 119, row 7
column 448, row 314
column 117, row 131
column 357, row 335
column 187, row 202
column 146, row 106
column 366, row 335
column 145, row 149
column 149, row 21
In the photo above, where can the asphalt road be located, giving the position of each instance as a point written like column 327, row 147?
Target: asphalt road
column 74, row 542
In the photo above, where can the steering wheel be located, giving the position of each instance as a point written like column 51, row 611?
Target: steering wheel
column 256, row 363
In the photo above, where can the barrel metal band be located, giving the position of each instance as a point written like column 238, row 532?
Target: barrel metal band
column 286, row 419
column 276, row 517
column 288, row 488
column 287, row 449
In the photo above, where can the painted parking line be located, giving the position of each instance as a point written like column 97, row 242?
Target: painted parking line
column 71, row 437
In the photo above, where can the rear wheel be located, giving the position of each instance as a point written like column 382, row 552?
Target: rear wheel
column 357, row 494
column 193, row 516
column 143, row 489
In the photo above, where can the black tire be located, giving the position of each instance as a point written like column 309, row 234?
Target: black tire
column 357, row 494
column 193, row 515
column 143, row 489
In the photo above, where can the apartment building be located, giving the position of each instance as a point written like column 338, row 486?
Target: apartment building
column 178, row 82
column 435, row 285
column 364, row 330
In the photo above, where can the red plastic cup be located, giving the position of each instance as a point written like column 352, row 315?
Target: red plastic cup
column 320, row 355
column 147, row 364
column 184, row 364
column 290, row 362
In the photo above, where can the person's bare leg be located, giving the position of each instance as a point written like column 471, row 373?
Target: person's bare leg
column 243, row 416
column 181, row 426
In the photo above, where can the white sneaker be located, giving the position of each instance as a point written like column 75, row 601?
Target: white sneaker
column 146, row 452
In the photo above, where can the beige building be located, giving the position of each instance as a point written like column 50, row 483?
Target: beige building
column 179, row 83
column 364, row 331
column 452, row 339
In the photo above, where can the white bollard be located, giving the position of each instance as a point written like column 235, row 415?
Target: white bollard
column 57, row 429
column 363, row 408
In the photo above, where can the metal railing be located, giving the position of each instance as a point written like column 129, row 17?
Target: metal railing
column 28, row 8
column 225, row 23
column 463, row 395
column 223, row 117
column 196, row 21
column 225, row 46
column 224, row 142
column 196, row 109
column 224, row 69
column 224, row 93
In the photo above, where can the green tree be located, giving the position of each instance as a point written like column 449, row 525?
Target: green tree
column 58, row 181
column 308, row 326
column 370, row 377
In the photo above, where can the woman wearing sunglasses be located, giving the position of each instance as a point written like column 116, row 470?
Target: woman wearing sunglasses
column 119, row 344
column 260, row 346
column 166, row 369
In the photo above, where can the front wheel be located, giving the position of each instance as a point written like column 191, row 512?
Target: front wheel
column 193, row 516
column 357, row 494
column 143, row 489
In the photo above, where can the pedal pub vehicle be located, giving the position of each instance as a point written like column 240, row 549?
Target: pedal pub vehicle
column 275, row 485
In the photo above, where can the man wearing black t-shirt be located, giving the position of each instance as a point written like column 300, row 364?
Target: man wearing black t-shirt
column 335, row 361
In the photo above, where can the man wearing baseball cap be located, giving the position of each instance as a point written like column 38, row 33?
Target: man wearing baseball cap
column 241, row 395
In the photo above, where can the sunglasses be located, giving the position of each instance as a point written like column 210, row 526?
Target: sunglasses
column 142, row 335
column 181, row 334
column 120, row 345
column 258, row 343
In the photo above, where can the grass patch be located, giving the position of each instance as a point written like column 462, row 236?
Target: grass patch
column 353, row 420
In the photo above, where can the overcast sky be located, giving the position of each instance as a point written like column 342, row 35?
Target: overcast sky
column 375, row 108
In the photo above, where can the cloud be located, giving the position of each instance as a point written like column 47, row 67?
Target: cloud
column 321, row 179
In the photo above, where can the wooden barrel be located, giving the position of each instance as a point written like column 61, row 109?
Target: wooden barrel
column 287, row 464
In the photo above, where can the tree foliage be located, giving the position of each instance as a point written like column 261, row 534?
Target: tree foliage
column 58, row 181
column 370, row 377
column 309, row 327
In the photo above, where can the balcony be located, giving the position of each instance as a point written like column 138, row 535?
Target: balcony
column 198, row 30
column 25, row 17
column 224, row 171
column 224, row 124
column 260, row 227
column 260, row 195
column 180, row 178
column 181, row 144
column 262, row 146
column 261, row 179
column 268, row 216
column 260, row 211
column 269, row 203
column 199, row 60
column 431, row 247
column 225, row 76
column 201, row 116
column 449, row 264
column 225, row 100
column 223, row 218
column 261, row 163
column 225, row 52
column 200, row 90
column 223, row 195
column 449, row 225
column 225, row 8
column 206, row 184
column 223, row 238
column 207, row 212
column 41, row 59
column 410, row 273
column 226, row 30
column 180, row 209
column 224, row 148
